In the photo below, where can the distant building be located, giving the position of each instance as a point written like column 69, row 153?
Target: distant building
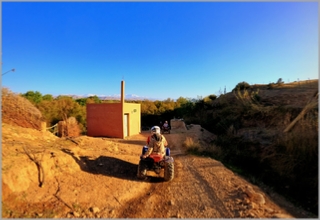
column 116, row 120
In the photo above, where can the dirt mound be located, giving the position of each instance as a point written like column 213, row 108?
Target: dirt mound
column 178, row 124
column 17, row 110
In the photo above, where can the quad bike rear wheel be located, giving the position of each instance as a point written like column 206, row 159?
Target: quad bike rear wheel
column 168, row 171
column 142, row 171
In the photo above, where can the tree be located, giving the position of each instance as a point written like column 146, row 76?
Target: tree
column 65, row 106
column 185, row 108
column 148, row 107
column 33, row 97
column 47, row 97
column 47, row 109
column 168, row 104
column 180, row 101
column 93, row 99
column 82, row 101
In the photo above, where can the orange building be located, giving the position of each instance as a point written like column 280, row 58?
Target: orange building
column 116, row 120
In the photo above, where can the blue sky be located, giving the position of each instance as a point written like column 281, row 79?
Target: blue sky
column 160, row 49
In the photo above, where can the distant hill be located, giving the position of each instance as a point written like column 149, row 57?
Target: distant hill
column 112, row 97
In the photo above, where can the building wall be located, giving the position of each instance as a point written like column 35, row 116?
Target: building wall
column 134, row 117
column 105, row 120
column 116, row 120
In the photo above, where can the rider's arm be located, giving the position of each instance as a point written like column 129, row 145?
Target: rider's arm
column 150, row 149
column 165, row 142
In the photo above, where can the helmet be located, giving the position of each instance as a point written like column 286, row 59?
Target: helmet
column 155, row 129
column 166, row 121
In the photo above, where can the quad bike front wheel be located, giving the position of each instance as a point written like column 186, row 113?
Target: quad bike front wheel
column 169, row 171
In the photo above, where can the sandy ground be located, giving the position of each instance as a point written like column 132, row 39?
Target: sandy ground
column 89, row 177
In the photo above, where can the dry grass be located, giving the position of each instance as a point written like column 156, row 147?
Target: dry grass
column 17, row 110
column 191, row 145
column 300, row 145
column 302, row 84
column 305, row 84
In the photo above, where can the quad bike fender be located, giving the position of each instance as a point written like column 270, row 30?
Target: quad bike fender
column 168, row 159
column 156, row 157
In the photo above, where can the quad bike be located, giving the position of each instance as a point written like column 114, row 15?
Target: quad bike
column 156, row 163
column 165, row 129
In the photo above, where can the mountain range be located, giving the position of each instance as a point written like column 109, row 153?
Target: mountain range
column 112, row 97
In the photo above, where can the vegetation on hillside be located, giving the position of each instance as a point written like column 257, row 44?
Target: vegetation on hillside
column 255, row 137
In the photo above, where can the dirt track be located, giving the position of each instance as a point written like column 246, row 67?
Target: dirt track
column 202, row 188
column 96, row 178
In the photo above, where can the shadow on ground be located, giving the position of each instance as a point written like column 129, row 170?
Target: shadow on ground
column 104, row 165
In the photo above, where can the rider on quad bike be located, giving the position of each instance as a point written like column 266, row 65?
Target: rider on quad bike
column 155, row 156
column 165, row 127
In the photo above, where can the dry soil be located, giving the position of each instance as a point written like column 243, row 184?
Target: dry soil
column 88, row 177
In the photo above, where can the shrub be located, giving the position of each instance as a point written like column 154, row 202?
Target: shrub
column 280, row 81
column 241, row 86
column 270, row 86
column 191, row 145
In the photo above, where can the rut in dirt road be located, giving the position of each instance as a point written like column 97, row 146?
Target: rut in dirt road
column 207, row 196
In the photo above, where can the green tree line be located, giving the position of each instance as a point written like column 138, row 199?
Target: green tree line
column 55, row 109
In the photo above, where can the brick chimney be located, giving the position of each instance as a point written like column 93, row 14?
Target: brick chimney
column 122, row 92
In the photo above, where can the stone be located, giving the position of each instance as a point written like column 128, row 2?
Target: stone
column 281, row 215
column 94, row 210
column 76, row 214
column 269, row 210
column 251, row 205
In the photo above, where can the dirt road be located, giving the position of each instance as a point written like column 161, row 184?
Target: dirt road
column 96, row 178
column 202, row 188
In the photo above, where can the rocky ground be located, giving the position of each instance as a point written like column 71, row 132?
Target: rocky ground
column 49, row 177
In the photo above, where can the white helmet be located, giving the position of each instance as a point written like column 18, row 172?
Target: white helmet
column 155, row 130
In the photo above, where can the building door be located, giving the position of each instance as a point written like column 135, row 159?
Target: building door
column 125, row 125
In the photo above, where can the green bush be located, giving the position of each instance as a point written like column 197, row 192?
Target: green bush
column 33, row 97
